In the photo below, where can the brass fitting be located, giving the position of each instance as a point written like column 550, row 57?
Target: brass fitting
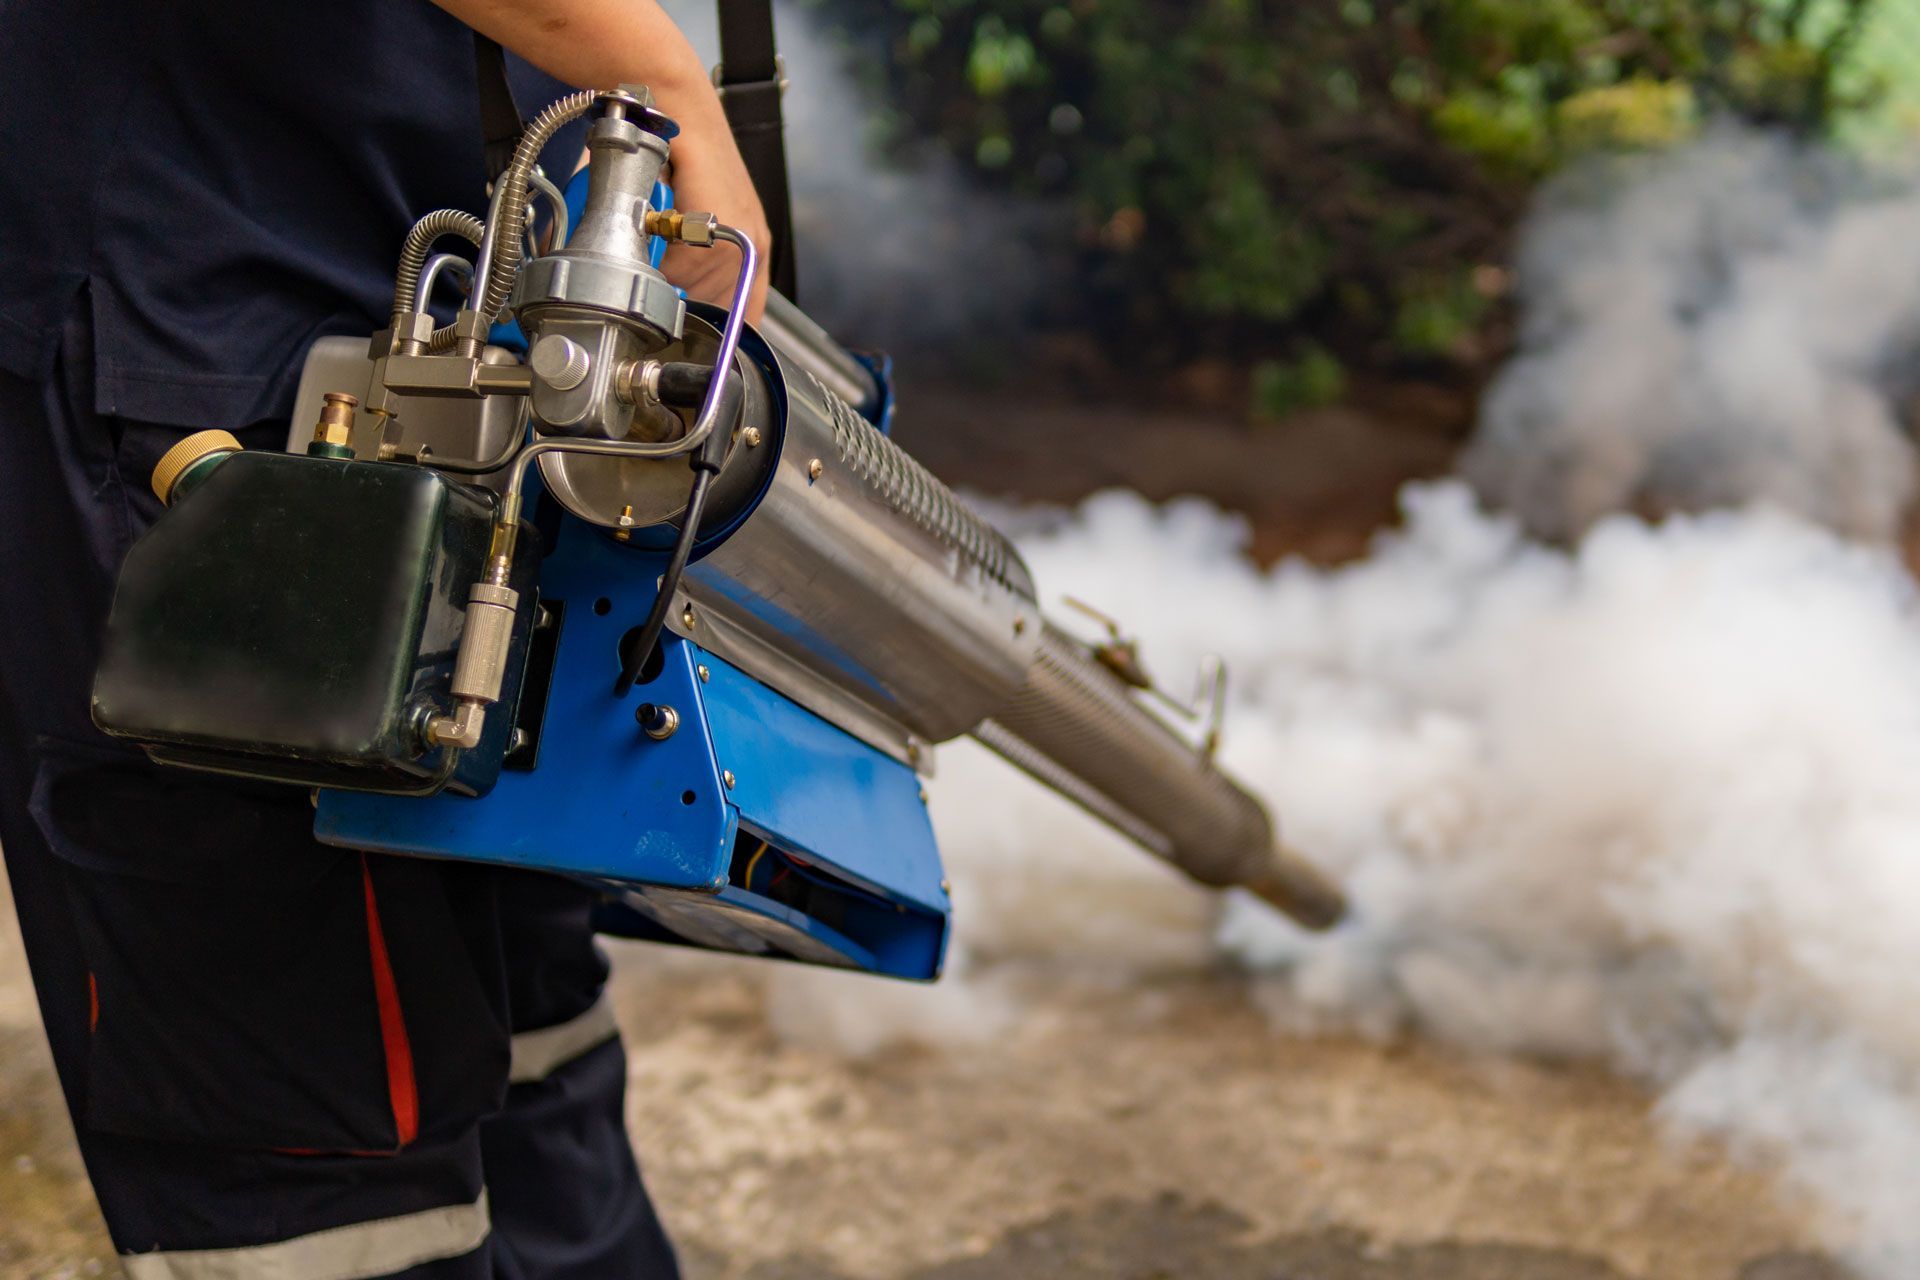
column 687, row 228
column 336, row 420
column 187, row 454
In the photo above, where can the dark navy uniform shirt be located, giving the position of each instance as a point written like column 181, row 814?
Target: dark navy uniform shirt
column 221, row 183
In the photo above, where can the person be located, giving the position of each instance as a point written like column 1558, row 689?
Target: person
column 282, row 1060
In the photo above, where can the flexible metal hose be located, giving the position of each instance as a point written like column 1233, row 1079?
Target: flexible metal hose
column 413, row 252
column 502, row 247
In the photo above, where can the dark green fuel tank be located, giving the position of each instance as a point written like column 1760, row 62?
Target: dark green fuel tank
column 296, row 619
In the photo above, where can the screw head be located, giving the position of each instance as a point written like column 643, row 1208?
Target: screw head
column 815, row 469
column 687, row 618
column 703, row 673
column 726, row 776
column 946, row 886
column 751, row 437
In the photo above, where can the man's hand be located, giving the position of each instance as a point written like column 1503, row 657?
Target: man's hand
column 713, row 179
column 601, row 43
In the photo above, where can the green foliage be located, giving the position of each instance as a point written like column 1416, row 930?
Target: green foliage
column 1265, row 171
column 1437, row 314
column 1506, row 133
column 1638, row 113
column 1281, row 387
column 1000, row 59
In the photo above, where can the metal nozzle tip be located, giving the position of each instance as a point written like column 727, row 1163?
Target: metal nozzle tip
column 1301, row 891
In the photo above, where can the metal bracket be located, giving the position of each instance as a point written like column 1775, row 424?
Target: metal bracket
column 1120, row 654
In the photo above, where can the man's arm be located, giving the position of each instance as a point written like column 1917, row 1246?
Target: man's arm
column 598, row 44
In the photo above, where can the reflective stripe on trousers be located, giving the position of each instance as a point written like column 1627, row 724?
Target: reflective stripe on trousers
column 353, row 1252
column 538, row 1054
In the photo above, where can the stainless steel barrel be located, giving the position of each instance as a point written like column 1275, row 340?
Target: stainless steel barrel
column 868, row 591
column 812, row 348
column 1077, row 728
column 860, row 585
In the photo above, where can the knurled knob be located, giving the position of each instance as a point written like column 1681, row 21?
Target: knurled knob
column 178, row 460
column 559, row 361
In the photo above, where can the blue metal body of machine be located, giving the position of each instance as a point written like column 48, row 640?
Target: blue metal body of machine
column 754, row 826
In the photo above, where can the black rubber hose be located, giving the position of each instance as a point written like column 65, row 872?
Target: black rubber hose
column 706, row 462
column 634, row 661
column 683, row 384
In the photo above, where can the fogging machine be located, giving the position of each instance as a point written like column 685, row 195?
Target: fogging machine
column 641, row 594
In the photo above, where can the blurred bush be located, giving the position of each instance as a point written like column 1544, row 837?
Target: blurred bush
column 1325, row 178
column 1312, row 379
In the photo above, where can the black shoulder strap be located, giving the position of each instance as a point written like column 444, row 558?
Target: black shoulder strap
column 751, row 83
column 500, row 122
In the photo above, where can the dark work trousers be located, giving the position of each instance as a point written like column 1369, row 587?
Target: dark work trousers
column 282, row 1059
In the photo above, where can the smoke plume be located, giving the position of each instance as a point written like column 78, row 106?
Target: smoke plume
column 1648, row 793
column 906, row 256
column 1710, row 325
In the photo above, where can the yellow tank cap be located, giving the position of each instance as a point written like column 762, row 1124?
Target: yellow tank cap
column 175, row 462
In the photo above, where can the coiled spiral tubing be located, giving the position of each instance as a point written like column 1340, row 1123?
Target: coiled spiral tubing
column 508, row 231
column 413, row 252
column 510, row 221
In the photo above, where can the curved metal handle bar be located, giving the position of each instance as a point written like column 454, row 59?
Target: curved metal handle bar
column 556, row 202
column 439, row 264
column 729, row 340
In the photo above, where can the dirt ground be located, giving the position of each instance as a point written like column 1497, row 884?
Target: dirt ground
column 1156, row 1132
column 1153, row 1132
column 1316, row 484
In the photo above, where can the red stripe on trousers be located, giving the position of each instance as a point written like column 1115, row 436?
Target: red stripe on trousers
column 401, row 1090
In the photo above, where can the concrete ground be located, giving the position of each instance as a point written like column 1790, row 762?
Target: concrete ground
column 1156, row 1132
column 1153, row 1132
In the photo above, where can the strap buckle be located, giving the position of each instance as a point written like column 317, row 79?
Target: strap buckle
column 779, row 81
